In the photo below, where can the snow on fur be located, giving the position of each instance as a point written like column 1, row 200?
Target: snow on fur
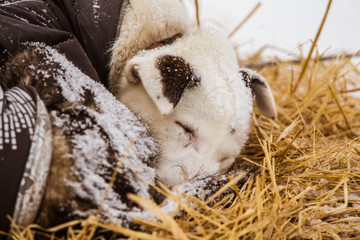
column 89, row 148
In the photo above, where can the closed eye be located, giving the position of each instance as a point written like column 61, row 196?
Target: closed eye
column 189, row 133
column 164, row 42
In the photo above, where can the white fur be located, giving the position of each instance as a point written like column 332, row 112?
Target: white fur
column 218, row 110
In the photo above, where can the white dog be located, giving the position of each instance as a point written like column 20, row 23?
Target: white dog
column 186, row 84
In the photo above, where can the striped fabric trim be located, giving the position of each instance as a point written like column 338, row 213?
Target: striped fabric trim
column 17, row 110
column 37, row 168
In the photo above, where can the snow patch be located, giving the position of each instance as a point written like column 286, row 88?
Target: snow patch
column 96, row 8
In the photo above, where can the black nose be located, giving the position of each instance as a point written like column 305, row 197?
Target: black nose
column 177, row 75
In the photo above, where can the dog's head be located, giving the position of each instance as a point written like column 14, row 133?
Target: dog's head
column 186, row 85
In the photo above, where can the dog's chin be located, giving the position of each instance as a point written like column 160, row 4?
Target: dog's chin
column 172, row 176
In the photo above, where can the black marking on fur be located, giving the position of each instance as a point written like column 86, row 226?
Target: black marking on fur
column 177, row 75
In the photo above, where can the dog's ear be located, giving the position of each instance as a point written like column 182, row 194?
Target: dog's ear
column 261, row 91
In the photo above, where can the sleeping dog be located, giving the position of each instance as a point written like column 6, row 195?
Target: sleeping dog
column 186, row 84
column 183, row 100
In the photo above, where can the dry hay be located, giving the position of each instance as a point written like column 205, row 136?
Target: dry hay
column 308, row 184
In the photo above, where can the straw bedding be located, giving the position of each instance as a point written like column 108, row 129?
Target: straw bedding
column 306, row 165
